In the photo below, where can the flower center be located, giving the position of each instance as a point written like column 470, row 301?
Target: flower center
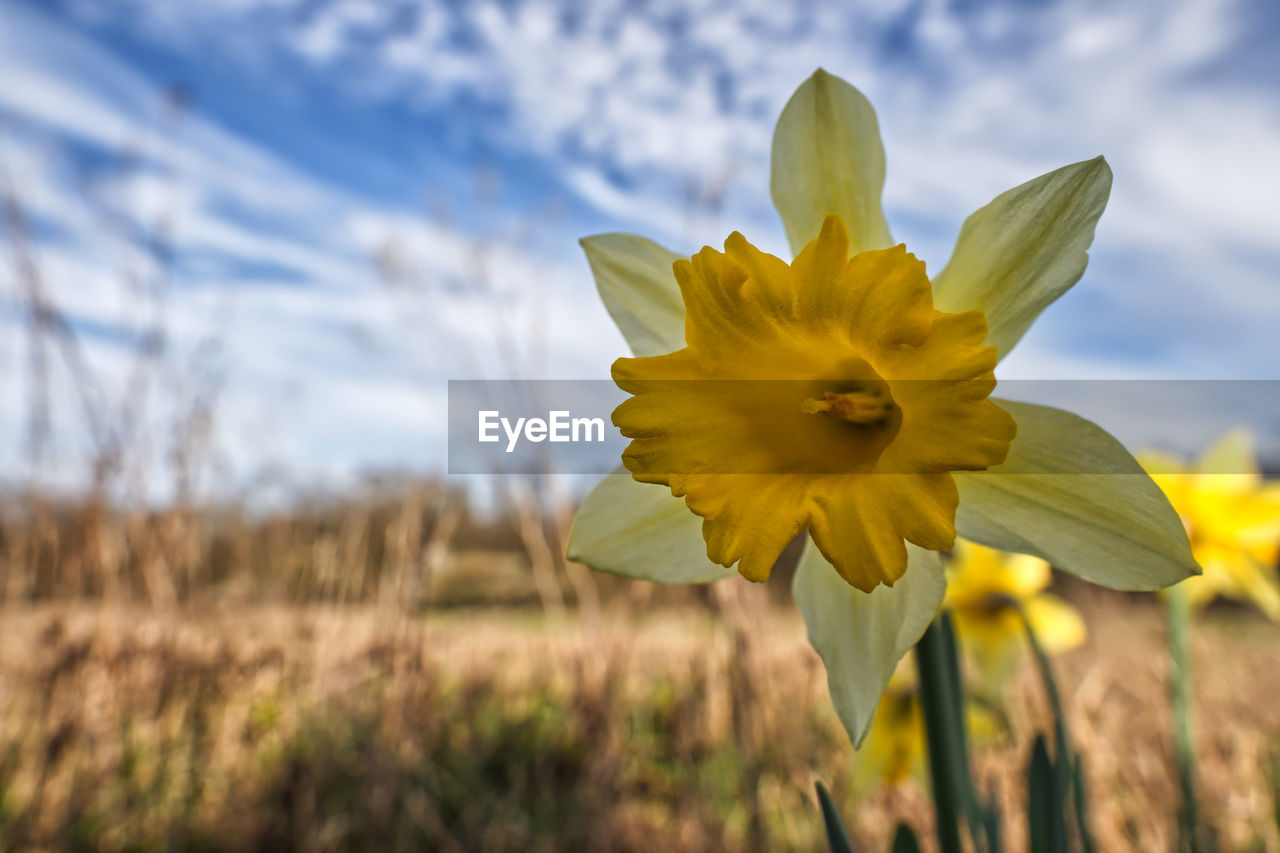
column 900, row 389
column 994, row 603
column 870, row 406
column 859, row 418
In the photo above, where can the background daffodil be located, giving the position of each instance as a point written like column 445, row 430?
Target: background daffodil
column 1233, row 519
column 988, row 592
column 1048, row 496
column 895, row 748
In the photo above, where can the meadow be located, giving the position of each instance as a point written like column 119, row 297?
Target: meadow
column 392, row 673
column 243, row 246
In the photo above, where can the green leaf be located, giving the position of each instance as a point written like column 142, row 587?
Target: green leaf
column 1071, row 494
column 1025, row 249
column 639, row 290
column 837, row 838
column 991, row 824
column 974, row 810
column 1070, row 774
column 638, row 530
column 828, row 158
column 862, row 636
column 1190, row 828
column 1045, row 821
column 904, row 840
column 1080, row 795
column 943, row 710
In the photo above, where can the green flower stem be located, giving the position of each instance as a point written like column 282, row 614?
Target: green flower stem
column 837, row 838
column 944, row 733
column 1068, row 765
column 1179, row 612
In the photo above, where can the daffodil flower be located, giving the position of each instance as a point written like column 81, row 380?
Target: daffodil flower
column 881, row 439
column 989, row 593
column 895, row 747
column 1233, row 519
column 828, row 395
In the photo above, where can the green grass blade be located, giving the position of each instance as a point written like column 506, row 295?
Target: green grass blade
column 945, row 747
column 979, row 817
column 991, row 824
column 1045, row 821
column 1179, row 614
column 837, row 838
column 1069, row 771
column 904, row 840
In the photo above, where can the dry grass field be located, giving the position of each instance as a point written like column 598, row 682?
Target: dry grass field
column 325, row 727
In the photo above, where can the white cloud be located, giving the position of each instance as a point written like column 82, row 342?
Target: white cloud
column 327, row 374
column 626, row 104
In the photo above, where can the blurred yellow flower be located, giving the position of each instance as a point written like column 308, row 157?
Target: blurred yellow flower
column 987, row 591
column 1232, row 517
column 895, row 748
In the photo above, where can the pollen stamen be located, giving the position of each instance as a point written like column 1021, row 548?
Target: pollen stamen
column 856, row 407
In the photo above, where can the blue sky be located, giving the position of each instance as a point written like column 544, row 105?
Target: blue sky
column 466, row 146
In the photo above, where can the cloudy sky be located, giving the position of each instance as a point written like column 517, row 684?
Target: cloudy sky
column 329, row 207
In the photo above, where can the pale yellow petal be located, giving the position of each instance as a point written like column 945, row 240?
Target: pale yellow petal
column 1255, row 583
column 828, row 158
column 862, row 636
column 1025, row 249
column 1071, row 494
column 640, row 531
column 1026, row 576
column 638, row 287
column 1058, row 626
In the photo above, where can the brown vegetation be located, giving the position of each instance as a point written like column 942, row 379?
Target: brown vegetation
column 361, row 727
